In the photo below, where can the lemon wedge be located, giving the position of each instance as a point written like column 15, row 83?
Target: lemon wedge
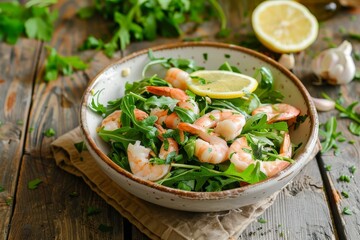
column 284, row 26
column 221, row 84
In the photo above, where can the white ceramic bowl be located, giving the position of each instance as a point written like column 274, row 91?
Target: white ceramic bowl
column 112, row 82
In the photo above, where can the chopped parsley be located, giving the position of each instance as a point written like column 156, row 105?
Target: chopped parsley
column 33, row 184
column 344, row 178
column 262, row 220
column 80, row 146
column 328, row 167
column 50, row 132
column 347, row 211
column 352, row 169
column 205, row 56
column 345, row 194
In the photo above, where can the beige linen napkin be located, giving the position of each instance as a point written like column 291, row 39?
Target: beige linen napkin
column 155, row 221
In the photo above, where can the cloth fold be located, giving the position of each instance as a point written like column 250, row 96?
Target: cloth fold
column 155, row 221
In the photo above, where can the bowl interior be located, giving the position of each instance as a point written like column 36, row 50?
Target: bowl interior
column 111, row 82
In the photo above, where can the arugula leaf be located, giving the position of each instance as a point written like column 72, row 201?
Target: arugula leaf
column 161, row 102
column 95, row 105
column 139, row 86
column 182, row 63
column 265, row 91
column 186, row 115
column 212, row 180
column 329, row 135
column 259, row 122
column 226, row 67
column 56, row 63
column 123, row 135
column 354, row 128
column 346, row 112
column 146, row 127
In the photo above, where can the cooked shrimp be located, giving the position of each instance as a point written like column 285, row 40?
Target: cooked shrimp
column 278, row 112
column 172, row 145
column 139, row 157
column 227, row 123
column 112, row 122
column 161, row 114
column 184, row 100
column 208, row 148
column 242, row 159
column 172, row 120
column 140, row 165
column 177, row 78
column 168, row 92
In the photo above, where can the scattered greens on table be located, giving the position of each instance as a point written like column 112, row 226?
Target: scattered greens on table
column 187, row 172
column 146, row 20
column 34, row 20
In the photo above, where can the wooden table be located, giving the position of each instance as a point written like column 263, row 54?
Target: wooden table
column 306, row 209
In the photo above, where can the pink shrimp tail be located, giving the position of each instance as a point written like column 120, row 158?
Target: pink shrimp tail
column 168, row 92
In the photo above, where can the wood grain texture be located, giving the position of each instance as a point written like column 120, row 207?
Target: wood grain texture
column 48, row 212
column 52, row 212
column 18, row 66
column 332, row 31
column 299, row 212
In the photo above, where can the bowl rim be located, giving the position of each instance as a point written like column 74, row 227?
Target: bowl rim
column 312, row 113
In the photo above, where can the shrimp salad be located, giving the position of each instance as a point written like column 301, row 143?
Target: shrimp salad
column 162, row 132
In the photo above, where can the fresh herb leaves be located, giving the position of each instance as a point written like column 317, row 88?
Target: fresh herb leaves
column 145, row 20
column 34, row 20
column 65, row 65
column 265, row 90
column 33, row 184
column 50, row 132
column 348, row 112
column 329, row 135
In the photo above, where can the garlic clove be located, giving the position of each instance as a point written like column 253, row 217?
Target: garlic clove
column 335, row 64
column 323, row 104
column 287, row 60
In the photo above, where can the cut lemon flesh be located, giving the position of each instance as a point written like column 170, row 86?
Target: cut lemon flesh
column 221, row 84
column 284, row 26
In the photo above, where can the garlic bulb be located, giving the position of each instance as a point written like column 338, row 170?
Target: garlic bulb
column 335, row 64
column 287, row 60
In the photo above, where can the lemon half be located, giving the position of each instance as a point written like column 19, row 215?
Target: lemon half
column 284, row 26
column 221, row 84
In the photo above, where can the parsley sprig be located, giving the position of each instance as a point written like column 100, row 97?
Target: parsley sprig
column 34, row 20
column 146, row 20
column 65, row 65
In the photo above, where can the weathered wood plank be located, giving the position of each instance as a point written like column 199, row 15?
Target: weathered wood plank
column 58, row 208
column 18, row 65
column 332, row 31
column 48, row 212
column 299, row 212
